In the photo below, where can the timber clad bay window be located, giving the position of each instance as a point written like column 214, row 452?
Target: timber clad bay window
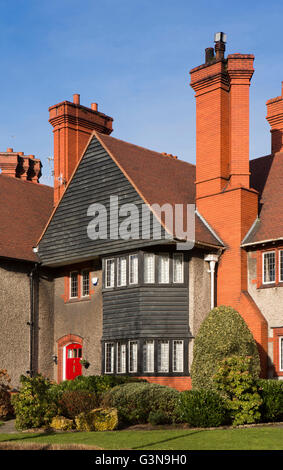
column 271, row 268
column 146, row 357
column 144, row 269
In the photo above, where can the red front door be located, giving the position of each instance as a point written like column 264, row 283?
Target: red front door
column 73, row 357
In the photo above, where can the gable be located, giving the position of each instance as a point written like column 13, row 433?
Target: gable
column 96, row 179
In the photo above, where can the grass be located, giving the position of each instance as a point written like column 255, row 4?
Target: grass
column 257, row 438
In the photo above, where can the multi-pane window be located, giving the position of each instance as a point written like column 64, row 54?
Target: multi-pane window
column 121, row 358
column 148, row 356
column 74, row 353
column 163, row 272
column 149, row 268
column 133, row 269
column 85, row 283
column 109, row 272
column 121, row 271
column 281, row 266
column 163, row 356
column 74, row 284
column 109, row 358
column 178, row 268
column 133, row 356
column 178, row 356
column 268, row 267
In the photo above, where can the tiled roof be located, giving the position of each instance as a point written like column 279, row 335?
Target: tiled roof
column 24, row 210
column 267, row 178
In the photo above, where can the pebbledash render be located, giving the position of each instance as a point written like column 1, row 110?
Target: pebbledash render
column 74, row 303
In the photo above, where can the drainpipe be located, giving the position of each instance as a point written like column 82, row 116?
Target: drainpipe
column 30, row 323
column 212, row 259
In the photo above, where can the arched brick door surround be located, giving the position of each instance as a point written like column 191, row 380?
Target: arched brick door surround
column 61, row 343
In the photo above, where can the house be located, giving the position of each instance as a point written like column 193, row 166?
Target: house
column 128, row 284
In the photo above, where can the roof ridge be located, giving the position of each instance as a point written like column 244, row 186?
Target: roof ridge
column 145, row 148
column 25, row 181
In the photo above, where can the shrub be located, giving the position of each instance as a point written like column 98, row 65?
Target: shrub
column 98, row 384
column 202, row 408
column 33, row 405
column 97, row 420
column 271, row 392
column 157, row 417
column 6, row 408
column 222, row 334
column 135, row 401
column 235, row 381
column 60, row 423
column 74, row 402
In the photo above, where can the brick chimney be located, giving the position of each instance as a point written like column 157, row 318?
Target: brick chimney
column 19, row 165
column 275, row 119
column 72, row 126
column 223, row 193
column 222, row 119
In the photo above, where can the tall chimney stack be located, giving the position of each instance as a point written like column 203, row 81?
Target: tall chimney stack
column 72, row 126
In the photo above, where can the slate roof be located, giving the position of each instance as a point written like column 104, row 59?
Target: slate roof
column 24, row 210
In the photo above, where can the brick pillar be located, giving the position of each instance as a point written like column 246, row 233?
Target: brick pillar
column 73, row 125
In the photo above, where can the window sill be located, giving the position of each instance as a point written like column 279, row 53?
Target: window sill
column 79, row 299
column 271, row 285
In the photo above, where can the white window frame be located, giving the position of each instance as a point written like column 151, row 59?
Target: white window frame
column 136, row 269
column 148, row 356
column 121, row 280
column 82, row 282
column 78, row 285
column 112, row 278
column 160, row 358
column 146, row 272
column 280, row 353
column 112, row 357
column 135, row 369
column 178, row 255
column 263, row 265
column 280, row 254
column 174, row 368
column 123, row 358
column 163, row 255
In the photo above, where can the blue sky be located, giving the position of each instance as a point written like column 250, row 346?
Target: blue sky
column 132, row 57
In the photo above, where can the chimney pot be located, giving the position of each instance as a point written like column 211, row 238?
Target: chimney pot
column 220, row 41
column 9, row 149
column 94, row 106
column 209, row 54
column 76, row 98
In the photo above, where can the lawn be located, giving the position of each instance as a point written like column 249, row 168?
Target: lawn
column 257, row 438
